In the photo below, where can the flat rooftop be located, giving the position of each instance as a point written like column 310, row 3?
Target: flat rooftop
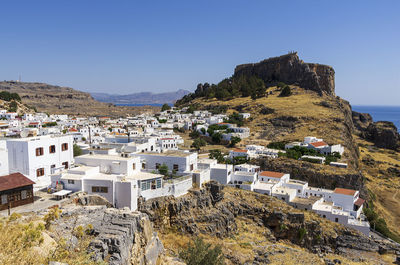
column 144, row 176
column 306, row 201
column 104, row 157
column 176, row 153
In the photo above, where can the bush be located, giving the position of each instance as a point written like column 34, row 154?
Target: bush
column 285, row 92
column 7, row 96
column 217, row 154
column 277, row 145
column 302, row 232
column 163, row 169
column 234, row 140
column 165, row 107
column 13, row 107
column 77, row 150
column 52, row 215
column 201, row 253
column 194, row 134
column 198, row 143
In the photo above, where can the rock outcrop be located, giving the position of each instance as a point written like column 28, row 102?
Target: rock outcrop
column 293, row 71
column 120, row 236
column 383, row 134
column 214, row 211
column 361, row 121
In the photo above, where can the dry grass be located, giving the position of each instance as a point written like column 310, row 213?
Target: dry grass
column 385, row 188
column 24, row 240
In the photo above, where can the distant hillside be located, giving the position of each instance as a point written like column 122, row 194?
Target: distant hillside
column 141, row 98
column 65, row 100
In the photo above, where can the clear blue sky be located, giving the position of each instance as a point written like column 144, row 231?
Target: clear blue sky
column 133, row 46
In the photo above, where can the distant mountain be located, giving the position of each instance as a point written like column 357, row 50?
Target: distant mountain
column 65, row 100
column 141, row 98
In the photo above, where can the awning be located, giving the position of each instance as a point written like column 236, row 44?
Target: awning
column 62, row 192
column 359, row 202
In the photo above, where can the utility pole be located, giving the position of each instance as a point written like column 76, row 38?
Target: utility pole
column 90, row 137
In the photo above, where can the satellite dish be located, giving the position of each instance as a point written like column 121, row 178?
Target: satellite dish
column 24, row 134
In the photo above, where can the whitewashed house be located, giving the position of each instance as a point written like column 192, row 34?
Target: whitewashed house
column 38, row 157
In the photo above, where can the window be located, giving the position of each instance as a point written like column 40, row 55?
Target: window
column 23, row 194
column 324, row 216
column 39, row 172
column 64, row 147
column 176, row 167
column 157, row 165
column 65, row 164
column 39, row 151
column 71, row 181
column 336, row 220
column 100, row 189
column 52, row 149
column 4, row 199
column 191, row 167
column 53, row 166
column 298, row 191
column 143, row 165
column 133, row 166
column 158, row 183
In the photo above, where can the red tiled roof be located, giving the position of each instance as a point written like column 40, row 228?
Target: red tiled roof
column 272, row 174
column 73, row 130
column 319, row 144
column 359, row 202
column 344, row 191
column 13, row 181
column 237, row 150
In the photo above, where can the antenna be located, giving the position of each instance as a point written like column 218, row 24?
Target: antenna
column 19, row 79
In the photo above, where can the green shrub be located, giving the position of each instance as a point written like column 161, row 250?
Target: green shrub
column 77, row 150
column 285, row 92
column 201, row 253
column 302, row 232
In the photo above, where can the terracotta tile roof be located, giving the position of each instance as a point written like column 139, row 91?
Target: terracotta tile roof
column 359, row 202
column 237, row 150
column 344, row 191
column 13, row 181
column 319, row 144
column 73, row 130
column 272, row 174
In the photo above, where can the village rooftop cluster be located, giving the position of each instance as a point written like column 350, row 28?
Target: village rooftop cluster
column 127, row 160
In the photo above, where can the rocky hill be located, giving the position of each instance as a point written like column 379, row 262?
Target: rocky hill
column 141, row 98
column 65, row 100
column 371, row 148
column 258, row 229
column 293, row 71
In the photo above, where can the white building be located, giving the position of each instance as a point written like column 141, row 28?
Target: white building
column 38, row 157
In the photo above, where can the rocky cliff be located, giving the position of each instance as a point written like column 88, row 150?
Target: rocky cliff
column 383, row 134
column 218, row 211
column 120, row 236
column 291, row 70
column 65, row 100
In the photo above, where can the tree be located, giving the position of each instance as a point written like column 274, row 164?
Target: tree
column 163, row 169
column 217, row 154
column 194, row 134
column 165, row 107
column 77, row 150
column 198, row 143
column 285, row 92
column 216, row 137
column 234, row 140
column 201, row 253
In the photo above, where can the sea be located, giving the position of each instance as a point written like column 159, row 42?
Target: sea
column 140, row 105
column 382, row 113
